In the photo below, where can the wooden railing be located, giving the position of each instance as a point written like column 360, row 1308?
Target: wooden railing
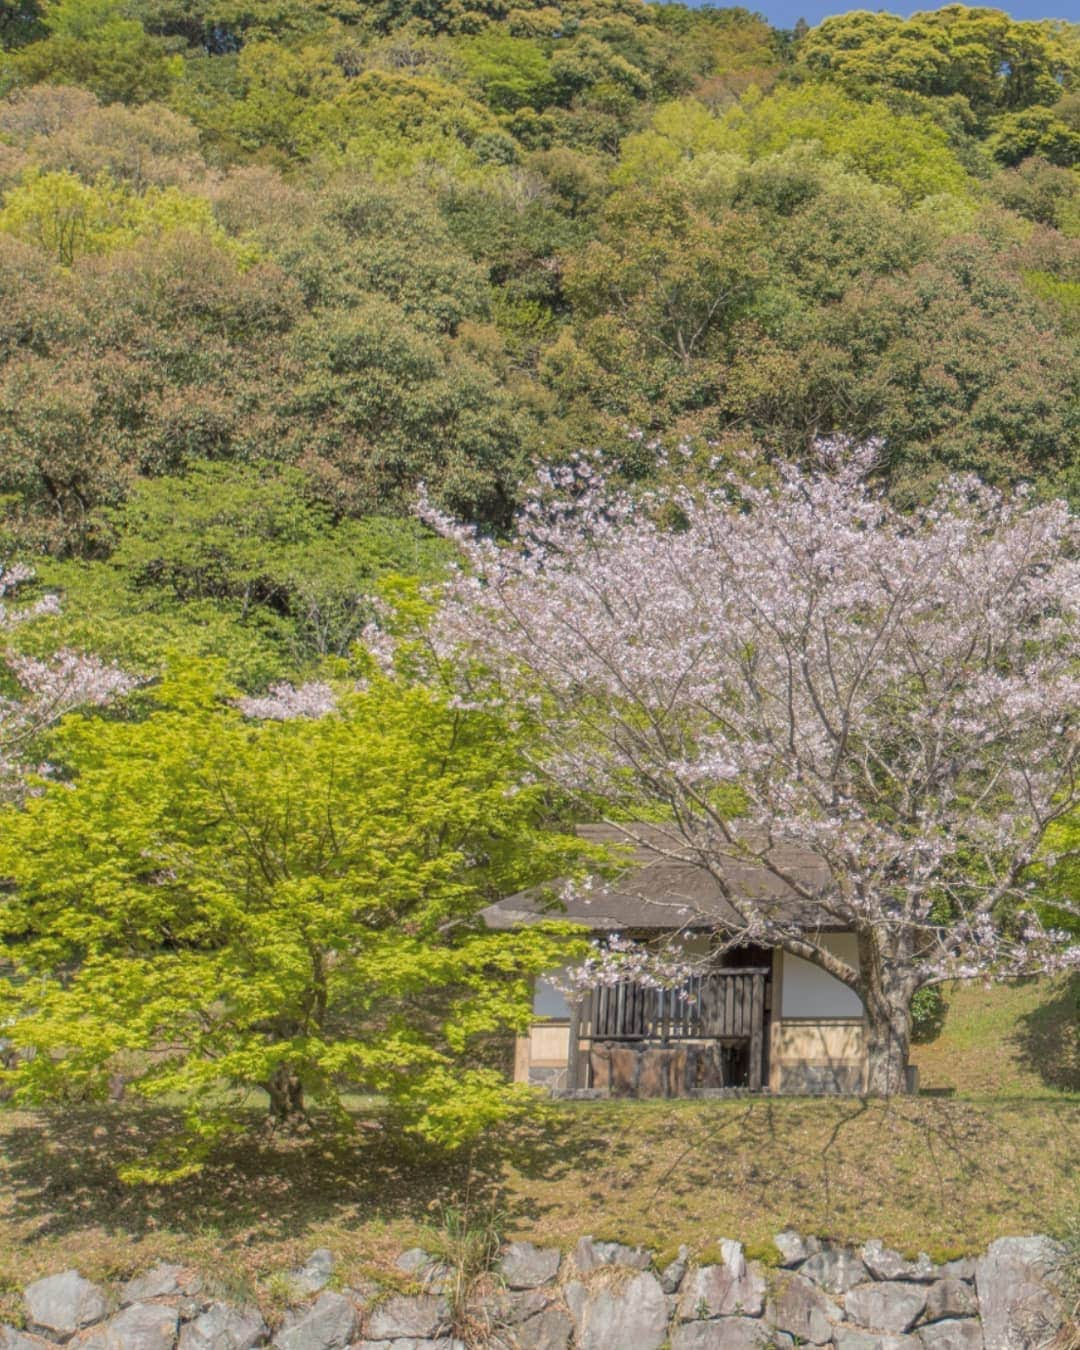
column 718, row 1005
column 721, row 1005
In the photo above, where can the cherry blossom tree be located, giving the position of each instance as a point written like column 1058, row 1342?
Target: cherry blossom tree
column 47, row 689
column 800, row 664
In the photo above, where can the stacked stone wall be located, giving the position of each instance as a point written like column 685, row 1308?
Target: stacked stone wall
column 599, row 1296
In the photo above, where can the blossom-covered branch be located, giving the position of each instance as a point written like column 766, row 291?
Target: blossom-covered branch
column 801, row 664
column 283, row 702
column 50, row 688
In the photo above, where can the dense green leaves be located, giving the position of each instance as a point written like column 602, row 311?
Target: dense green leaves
column 267, row 266
column 396, row 244
column 214, row 905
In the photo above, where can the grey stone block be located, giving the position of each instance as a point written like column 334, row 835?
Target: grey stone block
column 615, row 1318
column 551, row 1330
column 950, row 1298
column 885, row 1264
column 141, row 1326
column 330, row 1322
column 223, row 1327
column 512, row 1308
column 800, row 1308
column 1019, row 1306
column 161, row 1281
column 524, row 1266
column 413, row 1260
column 731, row 1288
column 888, row 1305
column 726, row 1333
column 965, row 1334
column 590, row 1254
column 11, row 1338
column 963, row 1269
column 854, row 1338
column 835, row 1269
column 314, row 1275
column 420, row 1317
column 673, row 1274
column 794, row 1248
column 441, row 1343
column 60, row 1305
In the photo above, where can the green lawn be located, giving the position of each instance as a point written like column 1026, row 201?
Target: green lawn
column 991, row 1147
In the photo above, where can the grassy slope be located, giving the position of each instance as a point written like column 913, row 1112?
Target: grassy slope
column 992, row 1147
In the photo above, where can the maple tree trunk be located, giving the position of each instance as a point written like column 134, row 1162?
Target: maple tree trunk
column 286, row 1093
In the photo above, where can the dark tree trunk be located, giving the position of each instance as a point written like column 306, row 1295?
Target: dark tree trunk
column 886, row 987
column 286, row 1094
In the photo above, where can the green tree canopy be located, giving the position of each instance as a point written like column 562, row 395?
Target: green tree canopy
column 991, row 60
column 95, row 44
column 212, row 905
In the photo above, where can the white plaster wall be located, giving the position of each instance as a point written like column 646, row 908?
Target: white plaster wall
column 807, row 991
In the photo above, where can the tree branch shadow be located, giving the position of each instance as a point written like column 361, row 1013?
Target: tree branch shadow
column 1049, row 1038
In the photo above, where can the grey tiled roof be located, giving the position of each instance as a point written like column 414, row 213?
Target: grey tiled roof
column 663, row 892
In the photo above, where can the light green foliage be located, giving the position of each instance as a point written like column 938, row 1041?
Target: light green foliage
column 214, row 906
column 989, row 59
column 513, row 72
column 395, row 124
column 68, row 218
column 689, row 141
column 95, row 44
column 904, row 151
column 1035, row 131
column 233, row 562
column 1060, row 879
column 256, row 538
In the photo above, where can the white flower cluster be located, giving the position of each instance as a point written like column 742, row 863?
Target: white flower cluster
column 619, row 960
column 801, row 666
column 284, row 702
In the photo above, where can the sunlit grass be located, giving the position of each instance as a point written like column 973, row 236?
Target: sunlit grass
column 992, row 1149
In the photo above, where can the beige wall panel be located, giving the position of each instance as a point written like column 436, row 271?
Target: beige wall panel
column 817, row 1041
column 522, row 1047
column 549, row 1044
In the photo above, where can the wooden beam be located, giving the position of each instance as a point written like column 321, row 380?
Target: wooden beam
column 757, row 1012
column 573, row 1049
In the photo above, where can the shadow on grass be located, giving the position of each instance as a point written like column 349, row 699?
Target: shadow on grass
column 60, row 1169
column 845, row 1168
column 1049, row 1038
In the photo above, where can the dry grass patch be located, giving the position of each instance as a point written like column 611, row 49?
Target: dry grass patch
column 947, row 1172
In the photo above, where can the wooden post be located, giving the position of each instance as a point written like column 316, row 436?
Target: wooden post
column 757, row 1009
column 573, row 1049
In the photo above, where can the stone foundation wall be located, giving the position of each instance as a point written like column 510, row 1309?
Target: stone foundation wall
column 600, row 1296
column 645, row 1070
column 815, row 1080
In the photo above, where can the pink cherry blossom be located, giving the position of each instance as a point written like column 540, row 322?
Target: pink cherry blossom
column 284, row 702
column 51, row 688
column 801, row 664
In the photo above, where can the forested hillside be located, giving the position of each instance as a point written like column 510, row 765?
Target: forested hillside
column 265, row 266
